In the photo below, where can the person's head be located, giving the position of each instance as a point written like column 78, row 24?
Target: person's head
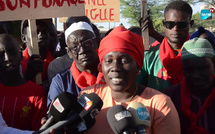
column 205, row 34
column 197, row 61
column 75, row 19
column 177, row 22
column 43, row 33
column 97, row 33
column 81, row 44
column 108, row 31
column 136, row 29
column 3, row 28
column 10, row 55
column 121, row 55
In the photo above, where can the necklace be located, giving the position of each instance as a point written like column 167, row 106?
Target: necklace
column 134, row 93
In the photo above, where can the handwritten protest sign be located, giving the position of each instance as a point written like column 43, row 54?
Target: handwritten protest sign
column 38, row 9
column 101, row 10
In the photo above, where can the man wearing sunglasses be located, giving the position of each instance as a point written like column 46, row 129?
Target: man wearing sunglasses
column 162, row 63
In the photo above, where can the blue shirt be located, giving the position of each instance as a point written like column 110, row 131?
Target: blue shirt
column 62, row 82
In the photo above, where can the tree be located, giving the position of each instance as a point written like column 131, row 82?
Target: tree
column 131, row 10
column 207, row 2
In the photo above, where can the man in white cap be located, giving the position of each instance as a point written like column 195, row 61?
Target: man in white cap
column 194, row 97
column 64, row 62
column 81, row 43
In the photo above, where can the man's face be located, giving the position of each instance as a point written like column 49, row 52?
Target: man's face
column 176, row 35
column 10, row 56
column 199, row 73
column 119, row 70
column 43, row 39
column 82, row 48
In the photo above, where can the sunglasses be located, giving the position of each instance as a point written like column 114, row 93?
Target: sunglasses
column 75, row 47
column 180, row 25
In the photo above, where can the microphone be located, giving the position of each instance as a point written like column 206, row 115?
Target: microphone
column 60, row 108
column 120, row 120
column 92, row 105
column 141, row 117
column 83, row 119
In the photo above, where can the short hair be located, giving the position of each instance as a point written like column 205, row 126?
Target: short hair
column 74, row 19
column 180, row 6
column 136, row 29
column 3, row 28
column 47, row 22
column 6, row 38
column 97, row 33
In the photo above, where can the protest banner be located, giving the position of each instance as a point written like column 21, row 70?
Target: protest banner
column 38, row 9
column 101, row 11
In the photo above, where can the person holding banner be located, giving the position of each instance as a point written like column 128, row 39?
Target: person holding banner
column 22, row 102
column 162, row 63
column 82, row 45
column 32, row 63
column 121, row 57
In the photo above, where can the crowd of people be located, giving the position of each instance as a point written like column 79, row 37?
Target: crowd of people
column 174, row 79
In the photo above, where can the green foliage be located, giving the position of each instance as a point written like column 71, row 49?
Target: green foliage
column 131, row 10
column 197, row 21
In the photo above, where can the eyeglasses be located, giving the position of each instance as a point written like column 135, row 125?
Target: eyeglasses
column 75, row 47
column 180, row 25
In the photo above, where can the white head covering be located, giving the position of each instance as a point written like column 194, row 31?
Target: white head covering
column 78, row 26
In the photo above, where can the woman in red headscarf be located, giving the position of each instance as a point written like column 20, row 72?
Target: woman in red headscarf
column 121, row 57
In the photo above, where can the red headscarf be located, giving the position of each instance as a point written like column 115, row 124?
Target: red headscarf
column 122, row 40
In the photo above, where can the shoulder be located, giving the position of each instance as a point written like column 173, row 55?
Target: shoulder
column 97, row 88
column 154, row 94
column 152, row 52
column 155, row 47
column 172, row 91
column 63, row 75
column 155, row 100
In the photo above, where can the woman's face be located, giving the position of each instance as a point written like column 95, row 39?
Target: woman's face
column 119, row 70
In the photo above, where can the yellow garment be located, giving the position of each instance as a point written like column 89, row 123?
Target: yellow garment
column 164, row 117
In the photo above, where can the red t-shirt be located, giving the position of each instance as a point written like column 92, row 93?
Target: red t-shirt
column 23, row 106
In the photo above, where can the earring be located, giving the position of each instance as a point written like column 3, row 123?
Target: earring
column 139, row 72
column 99, row 67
